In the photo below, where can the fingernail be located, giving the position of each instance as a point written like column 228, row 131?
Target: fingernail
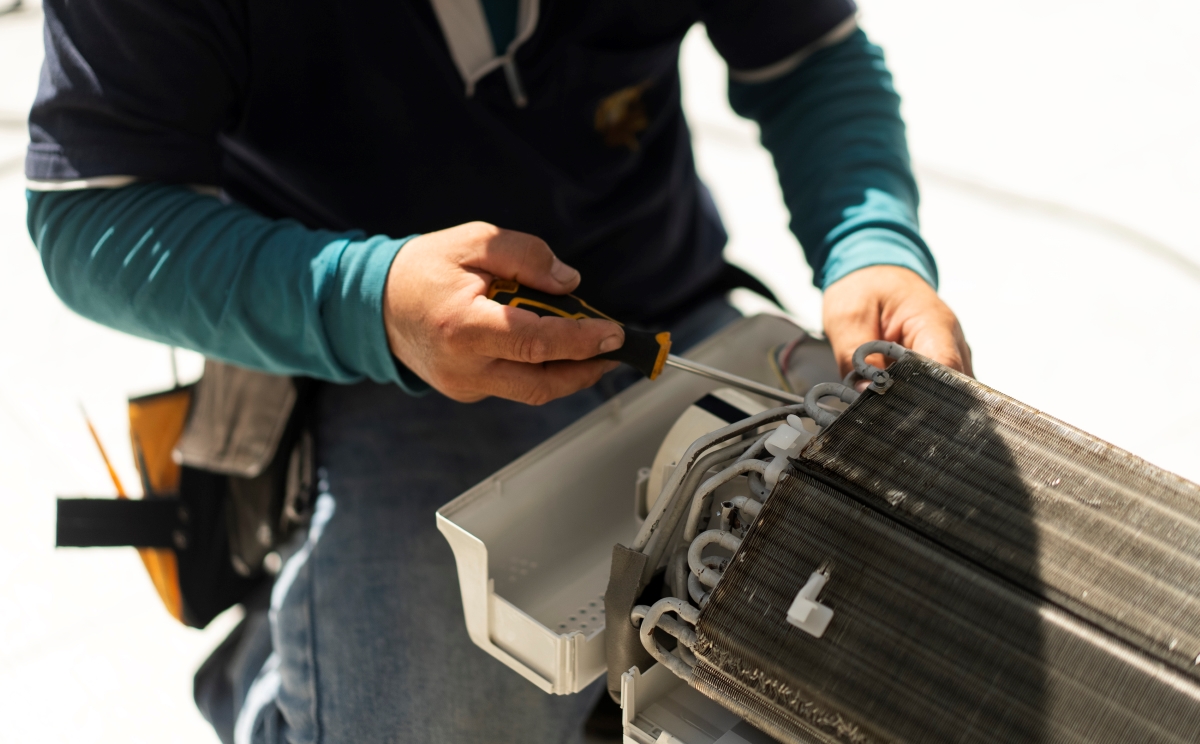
column 612, row 343
column 562, row 273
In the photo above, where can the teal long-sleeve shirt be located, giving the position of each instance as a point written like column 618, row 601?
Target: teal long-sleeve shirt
column 169, row 264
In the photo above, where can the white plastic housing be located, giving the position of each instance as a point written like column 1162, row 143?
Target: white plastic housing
column 533, row 542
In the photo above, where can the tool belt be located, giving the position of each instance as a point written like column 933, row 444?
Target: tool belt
column 226, row 465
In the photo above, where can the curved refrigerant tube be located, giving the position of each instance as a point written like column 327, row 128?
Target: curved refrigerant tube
column 695, row 589
column 637, row 614
column 653, row 618
column 688, row 656
column 700, row 499
column 816, row 392
column 758, row 486
column 756, row 448
column 654, row 518
column 708, row 576
column 686, row 476
column 677, row 572
column 736, row 505
column 880, row 379
column 660, row 541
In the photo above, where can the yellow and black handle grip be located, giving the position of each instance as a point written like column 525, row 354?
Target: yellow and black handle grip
column 645, row 351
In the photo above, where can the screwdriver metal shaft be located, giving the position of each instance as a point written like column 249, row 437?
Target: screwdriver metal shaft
column 712, row 373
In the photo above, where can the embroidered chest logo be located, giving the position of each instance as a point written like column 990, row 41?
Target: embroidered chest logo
column 620, row 117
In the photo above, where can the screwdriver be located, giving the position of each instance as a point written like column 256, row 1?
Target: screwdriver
column 645, row 351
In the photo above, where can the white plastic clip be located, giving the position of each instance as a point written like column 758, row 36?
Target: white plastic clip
column 785, row 442
column 806, row 613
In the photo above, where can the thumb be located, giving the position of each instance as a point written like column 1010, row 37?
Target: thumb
column 524, row 258
column 846, row 339
column 849, row 323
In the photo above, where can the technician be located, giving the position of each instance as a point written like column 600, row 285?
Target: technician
column 326, row 189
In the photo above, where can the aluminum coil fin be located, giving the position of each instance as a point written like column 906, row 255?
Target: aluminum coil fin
column 1053, row 509
column 996, row 576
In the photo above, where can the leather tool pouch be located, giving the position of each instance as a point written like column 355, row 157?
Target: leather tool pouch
column 250, row 428
column 227, row 468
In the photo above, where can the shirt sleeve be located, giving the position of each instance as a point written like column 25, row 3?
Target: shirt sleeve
column 756, row 34
column 833, row 128
column 133, row 88
column 168, row 264
column 829, row 115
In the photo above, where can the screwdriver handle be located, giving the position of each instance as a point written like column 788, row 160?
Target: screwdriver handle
column 643, row 350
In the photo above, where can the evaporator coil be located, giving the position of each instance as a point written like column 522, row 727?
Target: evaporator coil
column 940, row 563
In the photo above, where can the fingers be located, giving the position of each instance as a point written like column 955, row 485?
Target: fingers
column 940, row 347
column 502, row 332
column 508, row 254
column 893, row 304
column 848, row 338
column 533, row 384
column 851, row 320
column 537, row 384
column 945, row 343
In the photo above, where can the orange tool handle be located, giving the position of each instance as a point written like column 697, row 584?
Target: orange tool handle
column 645, row 351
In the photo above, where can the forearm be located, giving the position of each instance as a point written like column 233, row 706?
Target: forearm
column 834, row 130
column 171, row 265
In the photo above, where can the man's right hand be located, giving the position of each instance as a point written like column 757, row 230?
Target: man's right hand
column 443, row 327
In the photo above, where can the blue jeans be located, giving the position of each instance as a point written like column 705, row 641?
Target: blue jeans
column 364, row 639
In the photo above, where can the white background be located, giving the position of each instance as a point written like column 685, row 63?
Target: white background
column 1056, row 146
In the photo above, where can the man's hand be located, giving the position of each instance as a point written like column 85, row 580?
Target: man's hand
column 443, row 327
column 891, row 303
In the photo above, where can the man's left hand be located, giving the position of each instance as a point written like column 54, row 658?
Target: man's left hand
column 892, row 303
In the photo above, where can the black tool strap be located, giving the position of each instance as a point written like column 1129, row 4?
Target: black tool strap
column 142, row 523
column 735, row 277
